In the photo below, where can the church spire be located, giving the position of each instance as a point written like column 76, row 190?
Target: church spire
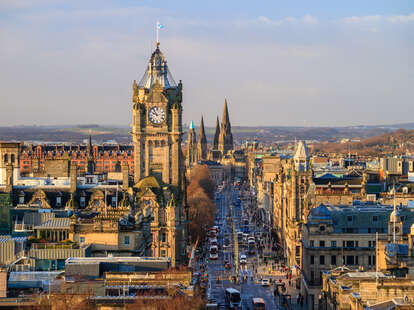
column 191, row 145
column 202, row 142
column 202, row 131
column 225, row 138
column 216, row 134
column 89, row 147
column 225, row 121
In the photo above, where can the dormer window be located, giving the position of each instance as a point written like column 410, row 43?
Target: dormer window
column 21, row 198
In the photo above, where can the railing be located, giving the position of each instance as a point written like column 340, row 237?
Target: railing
column 44, row 246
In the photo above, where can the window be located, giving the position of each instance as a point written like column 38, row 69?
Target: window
column 81, row 239
column 333, row 244
column 82, row 201
column 373, row 260
column 369, row 260
column 350, row 244
column 350, row 260
column 163, row 237
column 356, row 260
column 21, row 200
column 349, row 218
column 375, row 218
column 12, row 158
column 58, row 201
column 297, row 250
column 126, row 240
column 113, row 201
column 312, row 260
column 333, row 260
column 322, row 260
column 6, row 158
column 312, row 243
column 163, row 253
column 322, row 243
column 322, row 228
column 356, row 243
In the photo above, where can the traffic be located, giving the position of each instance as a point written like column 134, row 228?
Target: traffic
column 234, row 270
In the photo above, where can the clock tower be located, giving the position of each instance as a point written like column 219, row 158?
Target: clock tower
column 157, row 123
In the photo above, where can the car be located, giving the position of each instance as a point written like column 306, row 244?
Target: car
column 243, row 259
column 265, row 282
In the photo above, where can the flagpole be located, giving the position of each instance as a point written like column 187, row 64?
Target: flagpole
column 157, row 30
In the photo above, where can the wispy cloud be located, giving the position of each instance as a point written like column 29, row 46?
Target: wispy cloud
column 378, row 18
column 290, row 20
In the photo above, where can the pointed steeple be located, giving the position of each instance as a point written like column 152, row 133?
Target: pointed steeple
column 202, row 142
column 191, row 145
column 202, row 136
column 225, row 121
column 225, row 138
column 89, row 147
column 216, row 134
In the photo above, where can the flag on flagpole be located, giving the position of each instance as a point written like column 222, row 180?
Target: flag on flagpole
column 159, row 26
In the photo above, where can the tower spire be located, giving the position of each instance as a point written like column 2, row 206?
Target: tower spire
column 216, row 134
column 202, row 131
column 202, row 142
column 225, row 138
column 225, row 121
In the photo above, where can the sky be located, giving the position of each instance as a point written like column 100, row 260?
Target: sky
column 278, row 63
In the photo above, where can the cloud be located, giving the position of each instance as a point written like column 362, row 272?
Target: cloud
column 378, row 18
column 264, row 20
column 309, row 19
column 401, row 18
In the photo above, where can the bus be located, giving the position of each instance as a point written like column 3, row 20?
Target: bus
column 251, row 247
column 233, row 299
column 258, row 304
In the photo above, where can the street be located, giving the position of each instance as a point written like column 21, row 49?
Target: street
column 233, row 213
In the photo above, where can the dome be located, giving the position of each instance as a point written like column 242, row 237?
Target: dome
column 320, row 212
column 157, row 71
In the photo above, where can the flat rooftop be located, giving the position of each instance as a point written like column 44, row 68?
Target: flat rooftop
column 108, row 259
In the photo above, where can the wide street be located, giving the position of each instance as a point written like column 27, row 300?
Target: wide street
column 234, row 213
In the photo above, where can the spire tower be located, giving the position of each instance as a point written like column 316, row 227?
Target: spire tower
column 225, row 143
column 216, row 135
column 202, row 142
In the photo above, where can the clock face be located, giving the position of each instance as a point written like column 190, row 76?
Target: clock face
column 156, row 115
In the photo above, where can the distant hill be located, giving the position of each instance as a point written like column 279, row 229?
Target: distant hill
column 396, row 142
column 264, row 134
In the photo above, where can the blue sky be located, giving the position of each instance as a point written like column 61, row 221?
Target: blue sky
column 277, row 62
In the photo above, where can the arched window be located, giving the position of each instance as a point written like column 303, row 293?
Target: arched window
column 12, row 158
column 6, row 158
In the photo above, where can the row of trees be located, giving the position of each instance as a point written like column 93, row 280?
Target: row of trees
column 200, row 197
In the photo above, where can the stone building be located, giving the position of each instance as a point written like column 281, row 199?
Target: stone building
column 347, row 235
column 80, row 208
column 88, row 157
column 157, row 135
